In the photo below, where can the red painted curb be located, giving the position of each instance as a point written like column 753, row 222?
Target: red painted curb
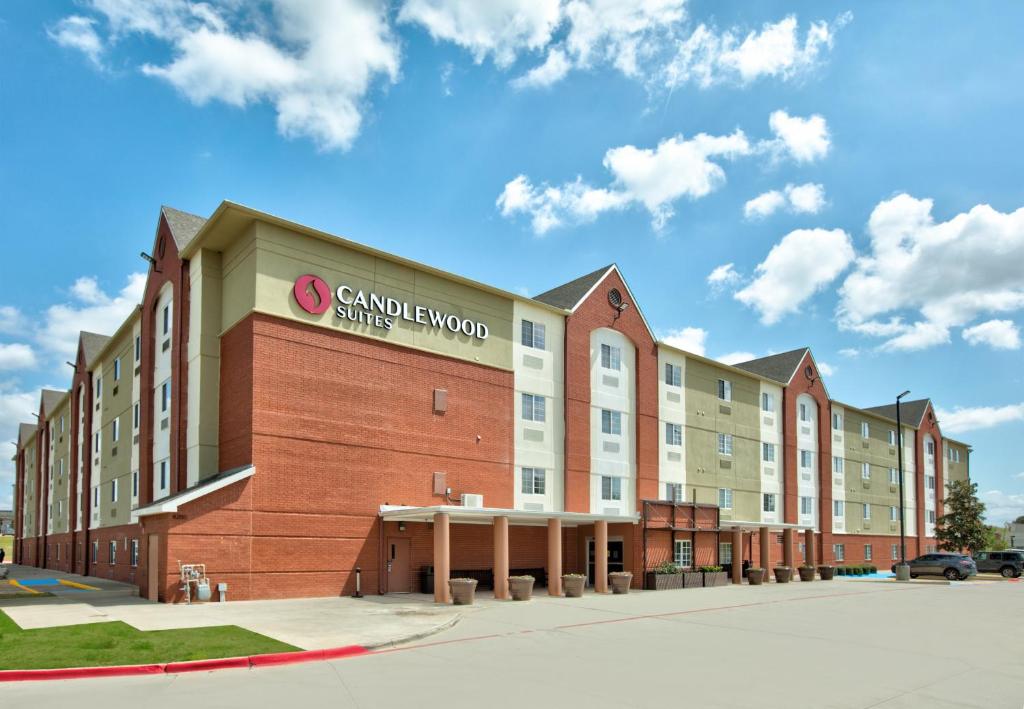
column 219, row 663
column 336, row 653
column 286, row 658
column 80, row 672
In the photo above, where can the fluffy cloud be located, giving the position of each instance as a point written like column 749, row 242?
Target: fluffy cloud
column 16, row 407
column 313, row 61
column 826, row 369
column 11, row 320
column 1002, row 507
column 689, row 339
column 17, row 356
column 964, row 419
column 801, row 139
column 949, row 272
column 997, row 334
column 849, row 352
column 802, row 263
column 807, row 198
column 736, row 357
column 654, row 178
column 722, row 277
column 551, row 71
column 90, row 309
column 78, row 32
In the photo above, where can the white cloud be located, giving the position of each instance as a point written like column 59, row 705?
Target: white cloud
column 849, row 352
column 963, row 419
column 802, row 263
column 802, row 139
column 654, row 178
column 807, row 198
column 78, row 32
column 997, row 334
column 314, row 61
column 16, row 407
column 826, row 369
column 689, row 339
column 91, row 309
column 553, row 70
column 1002, row 507
column 722, row 277
column 736, row 357
column 17, row 356
column 12, row 322
column 949, row 272
column 622, row 33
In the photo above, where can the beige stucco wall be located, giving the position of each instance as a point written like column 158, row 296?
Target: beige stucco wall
column 205, row 302
column 30, row 507
column 60, row 462
column 116, row 403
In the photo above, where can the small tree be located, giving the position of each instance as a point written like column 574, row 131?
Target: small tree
column 996, row 538
column 963, row 525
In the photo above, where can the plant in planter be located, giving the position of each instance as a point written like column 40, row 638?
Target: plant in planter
column 806, row 573
column 783, row 574
column 666, row 575
column 462, row 590
column 755, row 576
column 573, row 584
column 872, row 569
column 521, row 587
column 826, row 572
column 620, row 581
column 714, row 576
column 841, row 571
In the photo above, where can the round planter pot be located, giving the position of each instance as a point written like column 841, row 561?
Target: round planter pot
column 783, row 574
column 806, row 573
column 827, row 573
column 521, row 587
column 573, row 585
column 902, row 572
column 463, row 591
column 755, row 576
column 620, row 581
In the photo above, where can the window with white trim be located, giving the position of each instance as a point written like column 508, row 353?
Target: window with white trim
column 611, row 357
column 894, row 514
column 768, row 452
column 807, row 505
column 112, row 552
column 894, row 476
column 767, row 402
column 533, row 407
column 865, row 471
column 138, row 348
column 533, row 334
column 894, row 551
column 837, row 422
column 837, row 465
column 163, row 475
column 136, row 416
column 929, row 447
column 673, row 434
column 805, row 414
column 95, row 497
column 673, row 374
column 99, row 386
column 930, row 516
column 725, row 444
column 166, row 317
column 839, row 552
column 165, row 396
column 611, row 488
column 95, row 551
column 725, row 498
column 96, row 442
column 683, row 553
column 674, row 492
column 725, row 553
column 929, row 482
column 113, row 490
column 806, row 459
column 867, row 512
column 725, row 390
column 768, row 502
column 115, row 430
column 838, row 508
column 117, row 369
column 865, row 429
column 135, row 483
column 134, row 554
column 533, row 481
column 867, row 552
column 611, row 422
column 892, row 437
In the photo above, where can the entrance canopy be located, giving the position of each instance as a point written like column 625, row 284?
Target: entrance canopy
column 728, row 524
column 485, row 515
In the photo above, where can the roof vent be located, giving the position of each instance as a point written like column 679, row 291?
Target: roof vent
column 614, row 297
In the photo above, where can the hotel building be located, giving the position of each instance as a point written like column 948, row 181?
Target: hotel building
column 286, row 407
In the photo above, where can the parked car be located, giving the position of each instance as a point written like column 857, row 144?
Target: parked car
column 1008, row 563
column 955, row 567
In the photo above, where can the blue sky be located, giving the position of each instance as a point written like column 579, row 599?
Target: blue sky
column 790, row 149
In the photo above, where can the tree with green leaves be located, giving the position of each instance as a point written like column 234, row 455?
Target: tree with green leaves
column 963, row 525
column 996, row 540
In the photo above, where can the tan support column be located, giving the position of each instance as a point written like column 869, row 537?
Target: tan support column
column 554, row 557
column 766, row 551
column 441, row 557
column 787, row 548
column 809, row 544
column 601, row 557
column 737, row 555
column 501, row 558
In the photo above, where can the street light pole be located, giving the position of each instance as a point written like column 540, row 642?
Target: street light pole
column 902, row 571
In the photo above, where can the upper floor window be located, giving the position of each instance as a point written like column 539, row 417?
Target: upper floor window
column 96, row 442
column 767, row 402
column 673, row 434
column 837, row 422
column 725, row 498
column 166, row 317
column 138, row 347
column 113, row 490
column 768, row 502
column 929, row 447
column 611, row 488
column 99, row 386
column 533, row 481
column 768, row 452
column 674, row 492
column 806, row 459
column 805, row 414
column 533, row 407
column 892, row 438
column 806, row 505
column 725, row 444
column 533, row 334
column 611, row 357
column 837, row 465
column 165, row 396
column 135, row 483
column 929, row 482
column 865, row 471
column 673, row 374
column 611, row 422
column 865, row 429
column 62, row 424
column 115, row 430
column 838, row 508
column 725, row 390
column 135, row 416
column 894, row 514
column 894, row 476
column 867, row 512
column 117, row 369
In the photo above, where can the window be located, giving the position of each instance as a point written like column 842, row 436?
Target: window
column 837, row 422
column 768, row 452
column 163, row 474
column 533, row 407
column 58, row 551
column 674, row 492
column 96, row 442
column 867, row 512
column 673, row 374
column 138, row 347
column 96, row 496
column 768, row 502
column 929, row 482
column 725, row 390
column 867, row 552
column 611, row 488
column 99, row 386
column 533, row 335
column 134, row 555
column 803, row 551
column 894, row 551
column 725, row 444
column 167, row 319
column 165, row 396
column 673, row 434
column 804, row 413
column 768, row 402
column 930, row 516
column 725, row 553
column 533, row 481
column 894, row 476
column 135, row 416
column 117, row 369
column 805, row 459
column 894, row 514
column 865, row 471
column 135, row 483
column 929, row 447
column 806, row 505
column 113, row 490
column 611, row 357
column 839, row 552
column 892, row 438
column 837, row 465
column 62, row 424
column 725, row 498
column 95, row 551
column 838, row 508
column 865, row 430
column 611, row 422
column 115, row 430
column 683, row 555
column 112, row 552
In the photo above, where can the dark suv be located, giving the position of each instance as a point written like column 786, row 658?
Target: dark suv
column 1007, row 563
column 955, row 567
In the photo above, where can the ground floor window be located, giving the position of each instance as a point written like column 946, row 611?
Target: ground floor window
column 95, row 551
column 803, row 551
column 839, row 551
column 683, row 553
column 533, row 481
column 112, row 547
column 895, row 551
column 725, row 553
column 135, row 552
column 867, row 552
column 58, row 552
column 611, row 488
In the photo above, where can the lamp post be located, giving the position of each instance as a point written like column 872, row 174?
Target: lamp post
column 902, row 569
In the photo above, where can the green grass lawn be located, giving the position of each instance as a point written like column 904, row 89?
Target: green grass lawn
column 117, row 643
column 7, row 544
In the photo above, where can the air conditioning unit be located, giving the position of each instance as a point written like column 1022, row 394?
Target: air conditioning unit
column 471, row 500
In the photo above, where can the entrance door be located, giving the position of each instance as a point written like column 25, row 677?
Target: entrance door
column 616, row 558
column 153, row 566
column 398, row 565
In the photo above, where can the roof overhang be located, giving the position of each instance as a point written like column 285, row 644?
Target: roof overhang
column 171, row 504
column 485, row 515
column 730, row 524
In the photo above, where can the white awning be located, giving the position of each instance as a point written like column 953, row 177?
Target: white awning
column 172, row 503
column 727, row 525
column 458, row 514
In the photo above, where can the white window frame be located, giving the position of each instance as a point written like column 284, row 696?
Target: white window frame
column 166, row 319
column 165, row 396
column 868, row 552
column 894, row 551
column 112, row 552
column 534, row 408
column 534, row 481
column 164, row 474
column 136, row 415
column 611, row 488
column 133, row 557
column 810, row 504
column 673, row 434
column 611, row 357
column 768, row 402
column 892, row 437
column 682, row 553
column 865, row 429
column 894, row 476
column 839, row 552
column 113, row 490
column 804, row 412
column 725, row 552
column 674, row 492
column 673, row 374
column 865, row 471
column 837, row 421
column 837, row 465
column 725, row 444
column 768, row 502
column 533, row 334
column 138, row 348
column 894, row 513
column 611, row 422
column 838, row 509
column 725, row 498
column 809, row 456
column 115, row 430
column 117, row 369
column 724, row 390
column 135, row 483
column 867, row 512
column 767, row 452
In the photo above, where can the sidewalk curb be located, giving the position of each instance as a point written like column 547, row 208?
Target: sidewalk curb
column 450, row 623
